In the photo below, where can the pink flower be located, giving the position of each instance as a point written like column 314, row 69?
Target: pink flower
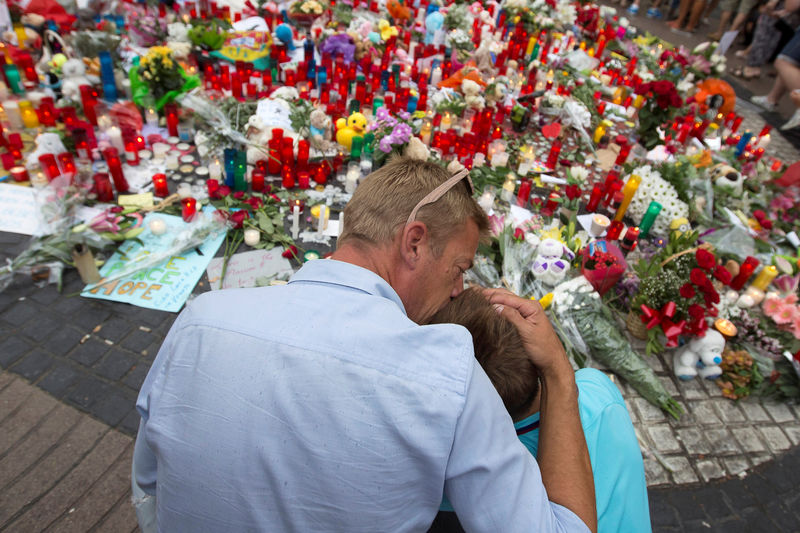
column 796, row 326
column 785, row 314
column 771, row 306
column 496, row 224
column 791, row 298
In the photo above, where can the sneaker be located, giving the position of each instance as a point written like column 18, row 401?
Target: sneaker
column 793, row 122
column 654, row 13
column 633, row 9
column 761, row 101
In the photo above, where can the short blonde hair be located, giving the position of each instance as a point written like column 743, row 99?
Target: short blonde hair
column 383, row 201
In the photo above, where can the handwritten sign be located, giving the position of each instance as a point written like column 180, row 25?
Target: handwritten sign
column 250, row 269
column 19, row 212
column 165, row 286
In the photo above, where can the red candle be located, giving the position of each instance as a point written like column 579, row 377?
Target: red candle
column 524, row 193
column 132, row 154
column 257, row 181
column 321, row 174
column 90, row 112
column 624, row 151
column 67, row 164
column 171, row 112
column 8, row 161
column 629, row 240
column 15, row 142
column 115, row 169
column 287, row 177
column 745, row 271
column 594, row 199
column 736, row 123
column 188, row 209
column 304, row 179
column 19, row 173
column 555, row 150
column 49, row 166
column 160, row 185
column 102, row 188
column 614, row 230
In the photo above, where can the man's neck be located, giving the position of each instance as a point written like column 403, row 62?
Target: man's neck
column 373, row 260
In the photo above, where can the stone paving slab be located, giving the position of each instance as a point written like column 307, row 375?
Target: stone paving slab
column 60, row 469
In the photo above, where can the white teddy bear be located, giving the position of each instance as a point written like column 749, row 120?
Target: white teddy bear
column 73, row 73
column 472, row 94
column 701, row 356
column 178, row 39
column 46, row 143
column 549, row 266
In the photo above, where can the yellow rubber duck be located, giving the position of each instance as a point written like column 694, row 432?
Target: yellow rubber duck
column 354, row 126
column 387, row 30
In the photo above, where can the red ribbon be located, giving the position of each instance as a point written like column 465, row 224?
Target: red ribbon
column 663, row 318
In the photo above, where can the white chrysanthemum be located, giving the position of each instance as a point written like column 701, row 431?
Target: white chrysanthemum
column 655, row 188
column 579, row 173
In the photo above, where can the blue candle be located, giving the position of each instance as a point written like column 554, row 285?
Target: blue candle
column 107, row 76
column 230, row 166
column 743, row 142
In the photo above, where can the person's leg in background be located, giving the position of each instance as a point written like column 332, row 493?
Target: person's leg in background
column 795, row 120
column 694, row 17
column 709, row 9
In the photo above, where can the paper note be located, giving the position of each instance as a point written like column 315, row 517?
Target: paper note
column 19, row 212
column 144, row 199
column 249, row 269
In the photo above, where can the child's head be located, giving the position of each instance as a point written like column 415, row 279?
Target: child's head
column 498, row 349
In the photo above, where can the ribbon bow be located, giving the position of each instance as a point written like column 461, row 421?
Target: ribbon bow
column 663, row 318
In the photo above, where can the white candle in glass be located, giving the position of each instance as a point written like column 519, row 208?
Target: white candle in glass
column 351, row 180
column 500, row 159
column 184, row 190
column 252, row 236
column 446, row 122
column 160, row 150
column 172, row 161
column 215, row 170
column 115, row 138
column 295, row 221
column 151, row 117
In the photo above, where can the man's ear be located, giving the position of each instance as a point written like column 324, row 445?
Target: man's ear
column 413, row 238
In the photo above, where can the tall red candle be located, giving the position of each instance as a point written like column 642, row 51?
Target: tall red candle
column 614, row 230
column 594, row 199
column 67, row 164
column 49, row 166
column 102, row 187
column 115, row 169
column 257, row 181
column 555, row 151
column 745, row 271
column 287, row 177
column 524, row 192
column 171, row 112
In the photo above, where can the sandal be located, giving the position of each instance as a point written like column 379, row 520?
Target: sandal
column 740, row 73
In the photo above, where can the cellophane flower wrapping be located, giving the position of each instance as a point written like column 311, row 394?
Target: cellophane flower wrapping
column 603, row 269
column 586, row 321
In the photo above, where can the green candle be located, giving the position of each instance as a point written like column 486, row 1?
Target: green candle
column 240, row 170
column 355, row 148
column 377, row 103
column 649, row 218
column 12, row 73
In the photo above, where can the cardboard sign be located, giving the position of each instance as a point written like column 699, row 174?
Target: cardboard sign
column 249, row 269
column 165, row 286
column 19, row 212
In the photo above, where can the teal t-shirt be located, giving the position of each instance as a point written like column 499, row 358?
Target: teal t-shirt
column 619, row 482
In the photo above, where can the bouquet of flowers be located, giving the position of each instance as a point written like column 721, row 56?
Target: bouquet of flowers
column 676, row 294
column 157, row 75
column 661, row 103
column 740, row 374
column 586, row 324
column 603, row 265
column 392, row 134
column 305, row 11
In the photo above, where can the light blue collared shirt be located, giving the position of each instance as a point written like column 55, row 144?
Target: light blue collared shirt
column 319, row 406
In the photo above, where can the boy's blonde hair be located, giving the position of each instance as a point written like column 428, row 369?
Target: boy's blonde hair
column 498, row 349
column 383, row 201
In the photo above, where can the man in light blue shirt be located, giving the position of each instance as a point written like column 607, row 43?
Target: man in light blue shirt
column 322, row 405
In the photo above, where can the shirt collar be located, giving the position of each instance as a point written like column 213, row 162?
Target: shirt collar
column 348, row 275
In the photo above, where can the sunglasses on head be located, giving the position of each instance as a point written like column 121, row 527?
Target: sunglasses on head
column 441, row 190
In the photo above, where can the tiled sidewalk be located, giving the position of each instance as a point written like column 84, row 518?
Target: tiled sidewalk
column 60, row 469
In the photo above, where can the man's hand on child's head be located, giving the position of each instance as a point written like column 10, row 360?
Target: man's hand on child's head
column 541, row 342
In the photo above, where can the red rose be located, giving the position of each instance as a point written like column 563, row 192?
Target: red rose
column 687, row 291
column 705, row 258
column 722, row 274
column 519, row 234
column 644, row 88
column 698, row 277
column 766, row 224
column 696, row 311
column 710, row 298
column 238, row 195
column 573, row 191
column 237, row 218
column 662, row 87
column 255, row 202
column 290, row 252
column 223, row 191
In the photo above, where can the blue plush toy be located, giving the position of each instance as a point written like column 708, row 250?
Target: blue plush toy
column 433, row 23
column 284, row 34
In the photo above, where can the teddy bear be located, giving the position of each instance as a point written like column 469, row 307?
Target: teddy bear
column 178, row 40
column 550, row 267
column 320, row 129
column 46, row 143
column 73, row 75
column 259, row 134
column 472, row 94
column 701, row 356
